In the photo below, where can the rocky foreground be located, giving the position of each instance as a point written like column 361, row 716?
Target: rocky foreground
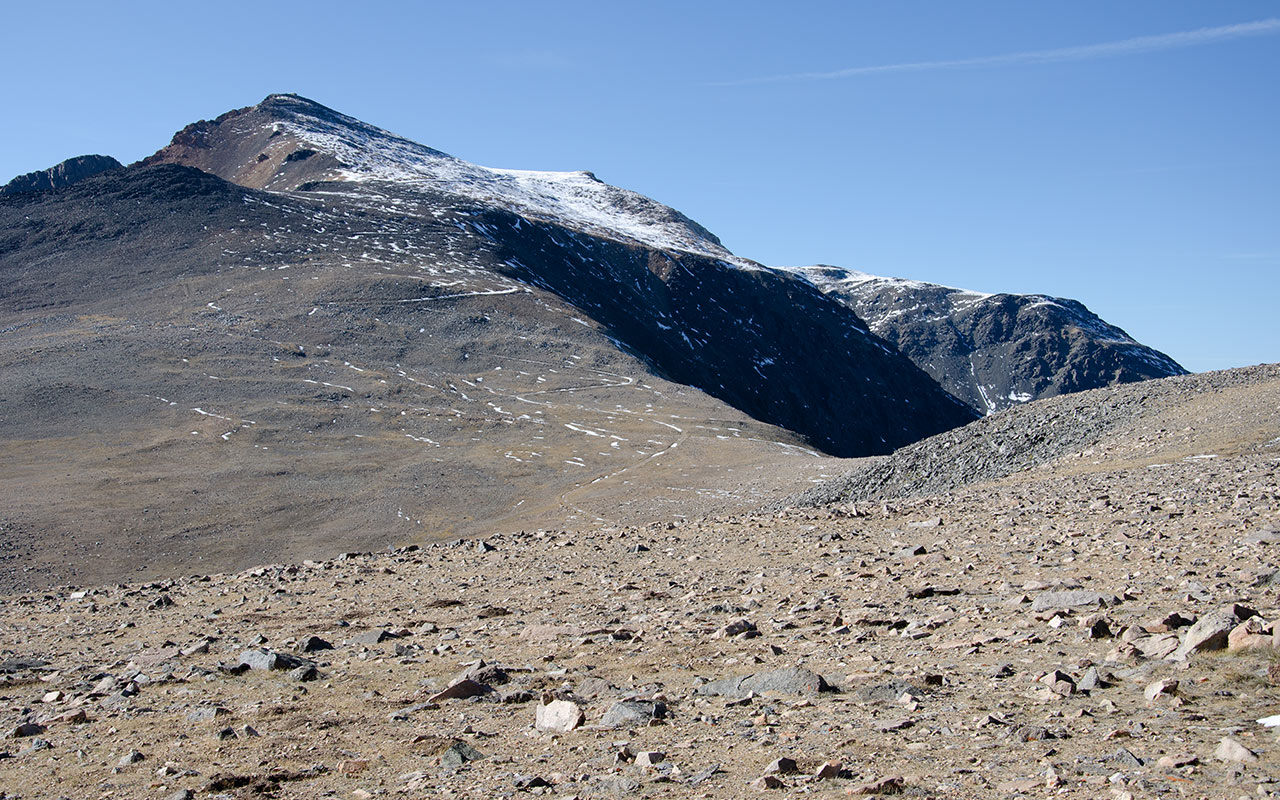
column 1102, row 625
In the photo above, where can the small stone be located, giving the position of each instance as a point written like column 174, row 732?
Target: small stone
column 781, row 766
column 131, row 757
column 1209, row 633
column 649, row 758
column 459, row 753
column 1164, row 686
column 304, row 673
column 741, row 627
column 883, row 786
column 369, row 638
column 26, row 729
column 890, row 725
column 181, row 794
column 828, row 770
column 206, row 713
column 1231, row 751
column 1060, row 682
column 1048, row 601
column 197, row 649
column 703, row 775
column 558, row 716
column 632, row 713
column 352, row 766
column 1091, row 680
column 766, row 782
column 1248, row 635
column 460, row 690
column 1123, row 757
column 526, row 782
column 790, row 680
column 311, row 644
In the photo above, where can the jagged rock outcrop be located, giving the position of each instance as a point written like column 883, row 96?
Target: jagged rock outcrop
column 68, row 172
column 994, row 350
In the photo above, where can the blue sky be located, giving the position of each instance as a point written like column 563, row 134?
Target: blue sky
column 1124, row 154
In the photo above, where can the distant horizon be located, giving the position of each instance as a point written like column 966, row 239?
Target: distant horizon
column 1121, row 157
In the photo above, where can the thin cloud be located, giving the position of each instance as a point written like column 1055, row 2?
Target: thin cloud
column 1124, row 47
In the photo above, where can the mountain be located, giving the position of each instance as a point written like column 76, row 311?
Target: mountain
column 759, row 339
column 60, row 175
column 290, row 333
column 994, row 350
column 205, row 374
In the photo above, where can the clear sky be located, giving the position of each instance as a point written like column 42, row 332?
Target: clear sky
column 1124, row 154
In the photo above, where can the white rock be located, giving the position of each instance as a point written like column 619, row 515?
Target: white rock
column 558, row 716
column 1231, row 750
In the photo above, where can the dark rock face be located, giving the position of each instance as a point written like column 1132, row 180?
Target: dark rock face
column 760, row 340
column 995, row 351
column 68, row 172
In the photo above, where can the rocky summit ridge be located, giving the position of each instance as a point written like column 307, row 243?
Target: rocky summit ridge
column 66, row 173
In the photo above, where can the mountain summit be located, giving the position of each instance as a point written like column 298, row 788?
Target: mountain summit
column 288, row 142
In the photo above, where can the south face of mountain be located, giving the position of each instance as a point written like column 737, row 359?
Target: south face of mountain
column 764, row 341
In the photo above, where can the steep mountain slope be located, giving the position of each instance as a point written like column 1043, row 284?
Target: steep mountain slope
column 764, row 341
column 994, row 350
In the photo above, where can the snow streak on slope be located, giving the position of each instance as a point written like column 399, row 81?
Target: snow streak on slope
column 852, row 283
column 574, row 199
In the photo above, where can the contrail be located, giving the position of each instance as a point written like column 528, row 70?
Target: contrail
column 1140, row 44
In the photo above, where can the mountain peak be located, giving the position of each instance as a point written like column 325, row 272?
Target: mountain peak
column 291, row 143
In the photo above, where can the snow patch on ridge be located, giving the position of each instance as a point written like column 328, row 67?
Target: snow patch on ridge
column 573, row 199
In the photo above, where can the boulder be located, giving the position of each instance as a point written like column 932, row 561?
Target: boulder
column 632, row 712
column 558, row 716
